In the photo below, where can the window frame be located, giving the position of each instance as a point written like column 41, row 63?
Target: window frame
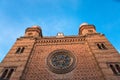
column 115, row 70
column 9, row 73
column 101, row 45
column 20, row 49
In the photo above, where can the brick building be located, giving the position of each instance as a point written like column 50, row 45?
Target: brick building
column 86, row 56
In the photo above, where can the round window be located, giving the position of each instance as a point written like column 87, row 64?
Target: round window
column 61, row 61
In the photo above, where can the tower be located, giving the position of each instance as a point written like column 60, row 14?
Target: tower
column 33, row 31
column 86, row 56
column 86, row 28
column 15, row 61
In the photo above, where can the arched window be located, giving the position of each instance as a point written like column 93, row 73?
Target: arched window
column 7, row 73
column 98, row 45
column 10, row 73
column 22, row 49
column 103, row 46
column 113, row 69
column 4, row 74
column 118, row 68
column 18, row 50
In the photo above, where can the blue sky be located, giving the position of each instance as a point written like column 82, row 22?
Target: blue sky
column 57, row 16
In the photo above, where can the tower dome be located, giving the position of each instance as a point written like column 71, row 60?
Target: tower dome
column 84, row 24
column 36, row 26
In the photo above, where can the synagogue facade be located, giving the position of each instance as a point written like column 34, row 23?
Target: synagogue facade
column 86, row 56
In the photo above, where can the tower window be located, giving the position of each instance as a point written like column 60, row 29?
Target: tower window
column 10, row 73
column 4, row 73
column 101, row 46
column 98, row 45
column 90, row 31
column 30, row 34
column 7, row 72
column 20, row 50
column 115, row 67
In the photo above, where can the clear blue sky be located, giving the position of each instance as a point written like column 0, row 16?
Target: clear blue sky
column 57, row 16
